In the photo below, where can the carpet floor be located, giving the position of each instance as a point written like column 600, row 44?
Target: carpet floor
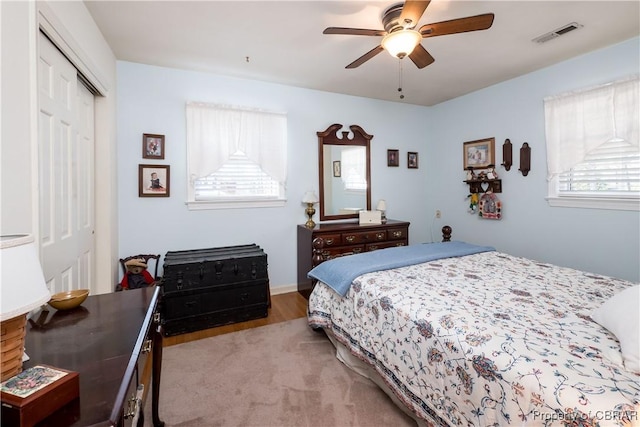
column 278, row 375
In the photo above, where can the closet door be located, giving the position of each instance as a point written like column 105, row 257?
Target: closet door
column 66, row 172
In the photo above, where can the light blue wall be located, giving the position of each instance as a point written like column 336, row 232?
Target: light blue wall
column 594, row 240
column 152, row 100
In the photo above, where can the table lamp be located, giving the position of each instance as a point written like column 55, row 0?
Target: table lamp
column 23, row 289
column 310, row 199
column 382, row 207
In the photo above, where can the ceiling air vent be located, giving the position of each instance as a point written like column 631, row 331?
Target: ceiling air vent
column 557, row 33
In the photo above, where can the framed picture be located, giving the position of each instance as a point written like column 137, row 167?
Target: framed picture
column 152, row 146
column 479, row 154
column 393, row 158
column 153, row 180
column 337, row 171
column 412, row 160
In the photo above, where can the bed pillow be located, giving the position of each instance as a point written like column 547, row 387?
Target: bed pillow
column 620, row 315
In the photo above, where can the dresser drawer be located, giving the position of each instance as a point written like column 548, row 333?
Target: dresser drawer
column 328, row 253
column 357, row 237
column 397, row 233
column 382, row 245
column 331, row 239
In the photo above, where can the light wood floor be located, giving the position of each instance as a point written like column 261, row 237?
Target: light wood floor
column 284, row 307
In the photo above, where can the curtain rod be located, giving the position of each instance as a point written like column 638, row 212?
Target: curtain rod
column 234, row 107
column 591, row 88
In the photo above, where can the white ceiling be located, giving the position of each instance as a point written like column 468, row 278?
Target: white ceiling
column 282, row 41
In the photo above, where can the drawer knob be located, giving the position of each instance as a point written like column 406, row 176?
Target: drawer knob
column 397, row 234
column 134, row 403
column 357, row 250
column 328, row 241
column 147, row 346
column 351, row 239
column 380, row 236
column 373, row 247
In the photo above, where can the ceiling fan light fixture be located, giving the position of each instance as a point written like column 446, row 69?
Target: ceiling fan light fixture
column 401, row 43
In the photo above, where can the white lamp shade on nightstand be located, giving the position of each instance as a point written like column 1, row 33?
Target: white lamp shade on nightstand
column 382, row 205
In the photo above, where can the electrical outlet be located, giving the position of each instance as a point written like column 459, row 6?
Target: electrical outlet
column 438, row 213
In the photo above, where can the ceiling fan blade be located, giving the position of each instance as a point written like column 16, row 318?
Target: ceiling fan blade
column 354, row 31
column 364, row 58
column 412, row 12
column 421, row 57
column 460, row 25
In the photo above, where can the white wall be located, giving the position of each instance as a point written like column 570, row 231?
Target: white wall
column 152, row 100
column 600, row 241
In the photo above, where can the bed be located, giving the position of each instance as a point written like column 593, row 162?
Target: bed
column 483, row 338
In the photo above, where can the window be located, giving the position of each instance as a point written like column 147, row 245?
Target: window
column 354, row 169
column 593, row 153
column 236, row 157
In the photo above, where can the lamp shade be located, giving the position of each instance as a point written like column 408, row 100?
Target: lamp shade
column 401, row 43
column 382, row 205
column 310, row 197
column 23, row 286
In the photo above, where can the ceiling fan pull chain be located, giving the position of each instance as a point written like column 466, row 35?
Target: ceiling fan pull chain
column 400, row 78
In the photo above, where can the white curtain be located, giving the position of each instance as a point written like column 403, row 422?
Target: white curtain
column 578, row 122
column 215, row 132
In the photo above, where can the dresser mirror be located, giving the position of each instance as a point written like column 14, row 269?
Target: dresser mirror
column 345, row 172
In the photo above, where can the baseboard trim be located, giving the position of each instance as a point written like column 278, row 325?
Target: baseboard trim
column 284, row 289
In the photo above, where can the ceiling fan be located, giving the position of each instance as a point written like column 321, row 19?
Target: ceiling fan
column 400, row 38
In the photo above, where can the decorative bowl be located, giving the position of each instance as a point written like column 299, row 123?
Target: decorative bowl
column 68, row 299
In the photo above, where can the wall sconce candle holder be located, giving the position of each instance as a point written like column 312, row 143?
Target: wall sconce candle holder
column 525, row 159
column 507, row 154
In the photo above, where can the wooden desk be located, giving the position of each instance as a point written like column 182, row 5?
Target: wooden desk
column 104, row 340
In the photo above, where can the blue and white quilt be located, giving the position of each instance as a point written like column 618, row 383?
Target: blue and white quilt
column 487, row 339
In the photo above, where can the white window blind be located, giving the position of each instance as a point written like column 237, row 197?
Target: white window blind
column 239, row 177
column 354, row 169
column 235, row 155
column 593, row 146
column 613, row 168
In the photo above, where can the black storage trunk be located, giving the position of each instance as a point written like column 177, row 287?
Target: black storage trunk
column 203, row 288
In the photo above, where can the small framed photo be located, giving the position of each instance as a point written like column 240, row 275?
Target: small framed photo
column 337, row 169
column 412, row 160
column 153, row 180
column 479, row 154
column 152, row 146
column 393, row 158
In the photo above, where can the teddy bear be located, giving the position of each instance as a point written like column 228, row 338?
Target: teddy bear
column 137, row 275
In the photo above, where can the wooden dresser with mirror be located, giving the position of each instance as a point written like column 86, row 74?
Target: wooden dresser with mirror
column 345, row 238
column 344, row 164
